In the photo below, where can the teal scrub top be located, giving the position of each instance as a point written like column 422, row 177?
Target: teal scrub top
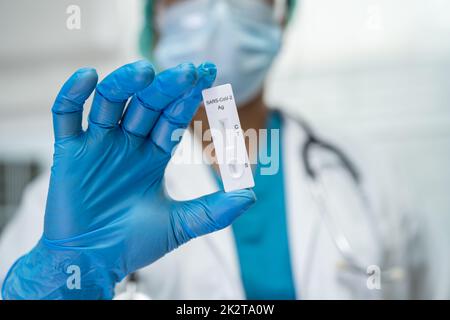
column 261, row 234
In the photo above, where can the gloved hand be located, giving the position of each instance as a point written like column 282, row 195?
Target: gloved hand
column 107, row 214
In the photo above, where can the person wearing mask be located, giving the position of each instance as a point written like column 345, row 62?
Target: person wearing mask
column 322, row 225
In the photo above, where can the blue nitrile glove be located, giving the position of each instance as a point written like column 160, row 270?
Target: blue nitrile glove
column 107, row 214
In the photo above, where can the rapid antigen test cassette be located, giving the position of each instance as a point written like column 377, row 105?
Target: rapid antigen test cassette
column 228, row 138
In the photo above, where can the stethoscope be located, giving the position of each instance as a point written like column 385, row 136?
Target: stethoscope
column 131, row 291
column 319, row 194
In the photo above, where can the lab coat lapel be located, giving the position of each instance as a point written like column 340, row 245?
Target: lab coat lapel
column 316, row 263
column 221, row 243
column 300, row 210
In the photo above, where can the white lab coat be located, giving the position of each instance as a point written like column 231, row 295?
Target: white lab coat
column 208, row 267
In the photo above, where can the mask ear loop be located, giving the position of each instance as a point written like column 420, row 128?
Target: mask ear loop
column 160, row 8
column 280, row 11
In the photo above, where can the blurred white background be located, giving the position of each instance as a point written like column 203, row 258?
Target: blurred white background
column 378, row 70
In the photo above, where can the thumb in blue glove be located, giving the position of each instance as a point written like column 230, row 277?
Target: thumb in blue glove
column 107, row 213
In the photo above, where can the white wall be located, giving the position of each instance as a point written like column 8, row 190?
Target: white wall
column 38, row 52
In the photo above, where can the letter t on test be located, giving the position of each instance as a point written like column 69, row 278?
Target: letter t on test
column 228, row 138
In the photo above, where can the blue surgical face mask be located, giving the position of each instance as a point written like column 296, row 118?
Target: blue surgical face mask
column 240, row 37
